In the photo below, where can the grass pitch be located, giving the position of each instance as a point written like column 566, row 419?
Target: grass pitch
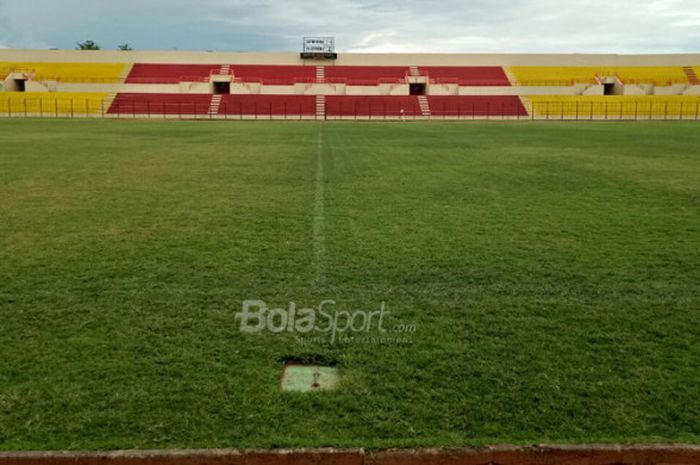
column 551, row 271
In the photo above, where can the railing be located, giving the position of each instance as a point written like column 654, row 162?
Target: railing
column 540, row 111
column 349, row 82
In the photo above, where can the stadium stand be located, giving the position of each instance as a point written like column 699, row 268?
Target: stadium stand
column 466, row 75
column 474, row 106
column 222, row 84
column 366, row 75
column 268, row 105
column 57, row 104
column 548, row 75
column 614, row 107
column 163, row 104
column 68, row 72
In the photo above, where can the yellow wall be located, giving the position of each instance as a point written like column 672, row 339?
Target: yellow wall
column 50, row 103
column 658, row 75
column 613, row 106
column 68, row 72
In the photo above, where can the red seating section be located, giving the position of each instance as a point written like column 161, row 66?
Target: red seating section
column 372, row 105
column 336, row 105
column 365, row 75
column 468, row 105
column 267, row 74
column 276, row 105
column 169, row 74
column 273, row 74
column 467, row 75
column 150, row 73
column 159, row 104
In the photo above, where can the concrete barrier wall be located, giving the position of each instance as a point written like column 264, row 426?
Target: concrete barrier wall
column 366, row 59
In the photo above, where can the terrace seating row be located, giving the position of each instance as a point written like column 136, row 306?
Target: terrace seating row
column 614, row 106
column 345, row 105
column 164, row 104
column 547, row 75
column 68, row 72
column 145, row 73
column 51, row 103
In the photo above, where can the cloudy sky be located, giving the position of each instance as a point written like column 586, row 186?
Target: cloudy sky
column 616, row 26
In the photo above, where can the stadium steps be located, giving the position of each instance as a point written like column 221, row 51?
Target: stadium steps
column 215, row 104
column 321, row 107
column 320, row 74
column 109, row 100
column 225, row 70
column 424, row 105
column 692, row 76
column 413, row 71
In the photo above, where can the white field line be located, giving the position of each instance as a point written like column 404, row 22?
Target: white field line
column 319, row 246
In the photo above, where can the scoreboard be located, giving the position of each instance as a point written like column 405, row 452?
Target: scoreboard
column 319, row 47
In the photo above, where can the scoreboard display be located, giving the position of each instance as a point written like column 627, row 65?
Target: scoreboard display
column 319, row 47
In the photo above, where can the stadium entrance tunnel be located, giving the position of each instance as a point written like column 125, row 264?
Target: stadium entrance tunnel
column 15, row 85
column 416, row 89
column 613, row 88
column 222, row 87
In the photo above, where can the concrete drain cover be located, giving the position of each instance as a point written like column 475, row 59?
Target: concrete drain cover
column 309, row 378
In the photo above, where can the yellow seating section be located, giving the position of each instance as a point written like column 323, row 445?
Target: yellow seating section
column 551, row 75
column 69, row 72
column 52, row 103
column 613, row 106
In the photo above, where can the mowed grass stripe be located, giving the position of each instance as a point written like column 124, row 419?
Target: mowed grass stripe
column 550, row 269
column 318, row 233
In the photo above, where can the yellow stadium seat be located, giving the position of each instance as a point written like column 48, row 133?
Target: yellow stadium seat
column 69, row 72
column 613, row 107
column 558, row 75
column 52, row 103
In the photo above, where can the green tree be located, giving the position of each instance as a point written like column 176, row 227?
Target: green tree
column 124, row 47
column 87, row 45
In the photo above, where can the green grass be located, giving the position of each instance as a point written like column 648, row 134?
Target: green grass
column 552, row 272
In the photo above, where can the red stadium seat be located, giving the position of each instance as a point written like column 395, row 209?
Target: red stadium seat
column 468, row 105
column 365, row 75
column 159, row 104
column 274, row 74
column 276, row 105
column 372, row 105
column 467, row 75
column 169, row 74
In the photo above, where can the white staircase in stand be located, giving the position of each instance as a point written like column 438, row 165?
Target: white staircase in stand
column 320, row 107
column 692, row 75
column 424, row 105
column 215, row 104
column 225, row 70
column 413, row 70
column 320, row 74
column 108, row 100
